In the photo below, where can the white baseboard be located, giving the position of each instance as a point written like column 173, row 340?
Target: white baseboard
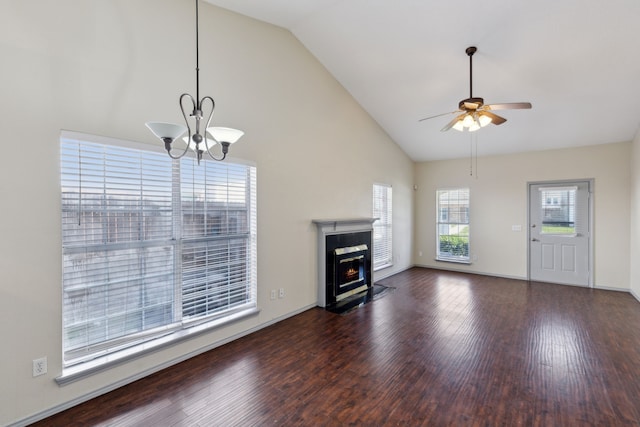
column 460, row 270
column 470, row 271
column 383, row 274
column 611, row 288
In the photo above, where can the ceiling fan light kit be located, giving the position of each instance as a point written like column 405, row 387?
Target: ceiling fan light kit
column 475, row 114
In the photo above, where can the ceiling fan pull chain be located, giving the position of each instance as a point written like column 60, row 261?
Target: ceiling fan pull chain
column 475, row 142
column 471, row 154
column 473, row 157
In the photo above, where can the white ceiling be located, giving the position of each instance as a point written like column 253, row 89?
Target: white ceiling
column 576, row 61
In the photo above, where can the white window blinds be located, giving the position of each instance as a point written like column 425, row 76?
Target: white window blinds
column 558, row 210
column 382, row 228
column 219, row 222
column 149, row 244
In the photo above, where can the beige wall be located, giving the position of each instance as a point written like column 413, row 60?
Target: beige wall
column 105, row 68
column 499, row 200
column 635, row 217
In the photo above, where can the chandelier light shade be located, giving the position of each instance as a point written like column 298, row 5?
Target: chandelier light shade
column 225, row 134
column 168, row 132
column 200, row 137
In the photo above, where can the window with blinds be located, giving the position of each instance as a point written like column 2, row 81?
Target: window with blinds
column 382, row 228
column 150, row 245
column 452, row 225
column 558, row 210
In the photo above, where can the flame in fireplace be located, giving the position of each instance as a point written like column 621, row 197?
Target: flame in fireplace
column 351, row 273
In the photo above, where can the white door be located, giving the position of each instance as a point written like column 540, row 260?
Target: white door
column 559, row 232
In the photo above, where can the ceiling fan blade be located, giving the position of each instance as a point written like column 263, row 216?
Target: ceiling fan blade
column 452, row 122
column 509, row 106
column 495, row 119
column 439, row 115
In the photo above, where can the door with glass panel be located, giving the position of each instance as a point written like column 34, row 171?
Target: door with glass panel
column 559, row 232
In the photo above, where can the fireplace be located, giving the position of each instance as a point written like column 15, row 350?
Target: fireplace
column 344, row 259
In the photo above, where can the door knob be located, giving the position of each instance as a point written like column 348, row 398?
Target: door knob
column 535, row 240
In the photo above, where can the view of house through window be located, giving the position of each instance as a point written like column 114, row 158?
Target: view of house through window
column 558, row 210
column 382, row 228
column 150, row 245
column 453, row 225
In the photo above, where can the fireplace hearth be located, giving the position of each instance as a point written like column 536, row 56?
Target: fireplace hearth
column 344, row 259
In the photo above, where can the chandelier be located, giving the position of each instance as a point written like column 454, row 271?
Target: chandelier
column 201, row 138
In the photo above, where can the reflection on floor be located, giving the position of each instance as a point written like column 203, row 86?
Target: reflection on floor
column 355, row 301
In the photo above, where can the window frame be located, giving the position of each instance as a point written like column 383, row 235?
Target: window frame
column 463, row 221
column 382, row 256
column 181, row 326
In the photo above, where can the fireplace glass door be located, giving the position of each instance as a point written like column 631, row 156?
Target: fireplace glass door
column 349, row 268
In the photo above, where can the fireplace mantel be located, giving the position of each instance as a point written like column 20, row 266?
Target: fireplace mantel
column 346, row 224
column 332, row 227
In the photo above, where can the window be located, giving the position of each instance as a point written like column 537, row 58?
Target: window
column 151, row 246
column 382, row 228
column 453, row 225
column 558, row 210
column 444, row 214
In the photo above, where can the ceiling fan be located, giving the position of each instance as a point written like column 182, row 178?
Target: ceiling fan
column 474, row 113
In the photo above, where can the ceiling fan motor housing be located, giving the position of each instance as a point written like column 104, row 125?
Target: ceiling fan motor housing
column 471, row 104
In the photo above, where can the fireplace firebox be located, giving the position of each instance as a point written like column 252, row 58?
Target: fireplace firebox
column 344, row 259
column 349, row 269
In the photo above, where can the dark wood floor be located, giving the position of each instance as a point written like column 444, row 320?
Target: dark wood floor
column 441, row 349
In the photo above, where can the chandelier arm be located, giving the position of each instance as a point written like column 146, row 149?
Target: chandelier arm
column 225, row 148
column 184, row 114
column 186, row 148
column 209, row 117
column 224, row 145
column 224, row 155
column 213, row 107
column 179, row 156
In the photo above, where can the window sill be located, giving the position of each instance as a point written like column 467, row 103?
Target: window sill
column 455, row 261
column 86, row 369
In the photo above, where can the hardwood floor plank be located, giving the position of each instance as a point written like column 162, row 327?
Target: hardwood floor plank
column 440, row 349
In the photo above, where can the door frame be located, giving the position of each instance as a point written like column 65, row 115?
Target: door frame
column 590, row 208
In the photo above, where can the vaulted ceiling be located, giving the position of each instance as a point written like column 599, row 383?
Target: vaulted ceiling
column 576, row 61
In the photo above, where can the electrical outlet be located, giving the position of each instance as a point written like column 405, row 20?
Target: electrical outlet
column 281, row 293
column 39, row 366
column 273, row 294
